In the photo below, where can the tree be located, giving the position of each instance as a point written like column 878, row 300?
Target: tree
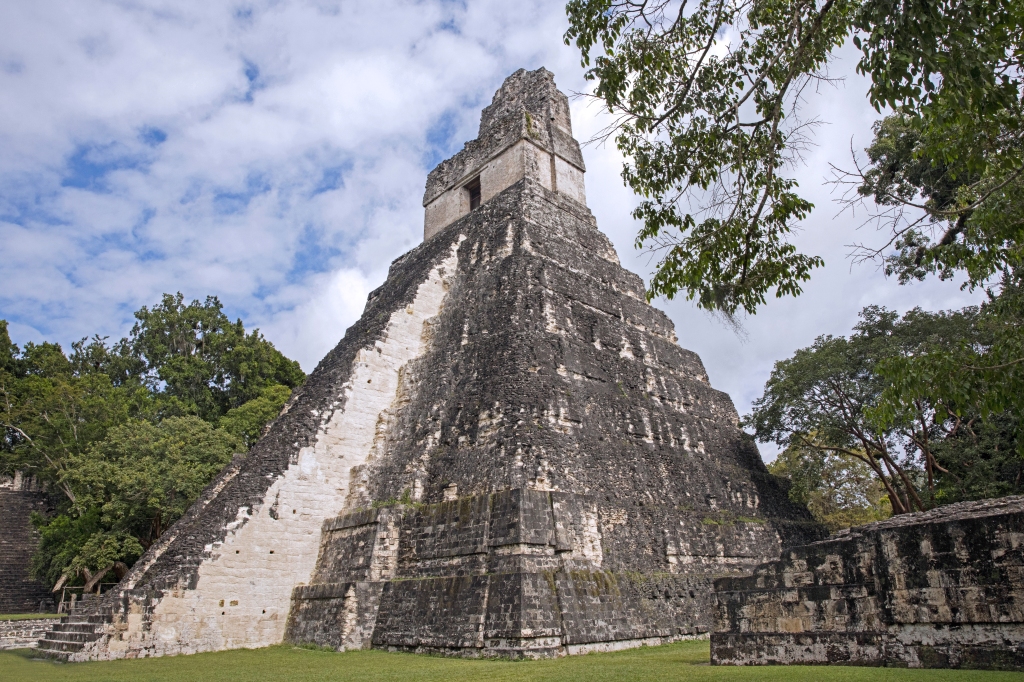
column 51, row 413
column 839, row 491
column 824, row 399
column 207, row 363
column 178, row 360
column 248, row 421
column 128, row 489
column 129, row 433
column 143, row 476
column 707, row 96
column 981, row 461
column 982, row 376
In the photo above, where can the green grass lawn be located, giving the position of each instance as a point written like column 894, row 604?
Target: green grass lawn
column 681, row 661
column 27, row 616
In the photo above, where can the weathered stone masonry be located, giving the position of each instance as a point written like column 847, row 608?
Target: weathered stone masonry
column 599, row 482
column 508, row 454
column 937, row 589
column 19, row 591
column 222, row 576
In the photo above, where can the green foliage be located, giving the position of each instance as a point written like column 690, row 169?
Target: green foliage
column 705, row 131
column 128, row 489
column 839, row 491
column 178, row 360
column 972, row 191
column 143, row 476
column 51, row 413
column 825, row 398
column 247, row 421
column 131, row 433
column 952, row 72
column 205, row 361
column 981, row 376
column 950, row 212
column 898, row 174
column 982, row 461
column 707, row 99
column 61, row 541
column 8, row 351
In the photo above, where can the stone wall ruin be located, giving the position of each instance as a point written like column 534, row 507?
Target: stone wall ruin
column 19, row 591
column 936, row 589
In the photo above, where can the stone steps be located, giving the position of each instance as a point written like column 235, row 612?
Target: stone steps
column 71, row 627
column 82, row 626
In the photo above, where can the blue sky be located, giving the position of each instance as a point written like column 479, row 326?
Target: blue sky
column 274, row 154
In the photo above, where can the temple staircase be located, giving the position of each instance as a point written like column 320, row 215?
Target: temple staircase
column 82, row 626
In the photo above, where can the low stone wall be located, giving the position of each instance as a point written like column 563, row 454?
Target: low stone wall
column 24, row 634
column 938, row 589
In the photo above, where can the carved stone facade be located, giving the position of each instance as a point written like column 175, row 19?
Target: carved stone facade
column 526, row 132
column 937, row 589
column 508, row 454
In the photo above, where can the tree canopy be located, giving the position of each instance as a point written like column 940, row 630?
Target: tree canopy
column 128, row 434
column 129, row 488
column 839, row 491
column 831, row 400
column 707, row 97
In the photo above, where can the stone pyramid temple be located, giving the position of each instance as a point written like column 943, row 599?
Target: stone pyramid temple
column 507, row 455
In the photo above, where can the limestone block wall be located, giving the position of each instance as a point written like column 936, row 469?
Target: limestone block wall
column 523, row 159
column 943, row 588
column 551, row 371
column 19, row 591
column 513, row 573
column 24, row 634
column 525, row 133
column 569, row 179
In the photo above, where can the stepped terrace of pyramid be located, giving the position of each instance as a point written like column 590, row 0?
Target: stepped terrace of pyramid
column 509, row 454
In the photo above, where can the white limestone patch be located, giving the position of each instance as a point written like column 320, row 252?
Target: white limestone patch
column 244, row 586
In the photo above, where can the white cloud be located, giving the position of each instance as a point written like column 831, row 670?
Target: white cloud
column 274, row 153
column 327, row 307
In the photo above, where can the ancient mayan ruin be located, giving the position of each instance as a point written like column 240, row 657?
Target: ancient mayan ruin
column 507, row 455
column 935, row 589
column 19, row 591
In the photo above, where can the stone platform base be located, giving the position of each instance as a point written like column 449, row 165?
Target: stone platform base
column 24, row 634
column 969, row 647
column 513, row 574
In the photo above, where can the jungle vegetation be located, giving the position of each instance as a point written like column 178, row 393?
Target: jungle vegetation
column 126, row 435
